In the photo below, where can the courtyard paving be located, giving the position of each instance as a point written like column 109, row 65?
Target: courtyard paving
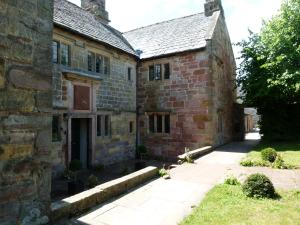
column 167, row 202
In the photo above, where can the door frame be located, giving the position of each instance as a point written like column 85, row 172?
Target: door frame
column 92, row 136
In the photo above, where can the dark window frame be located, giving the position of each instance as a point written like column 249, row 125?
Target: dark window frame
column 159, row 123
column 129, row 74
column 167, row 71
column 61, row 54
column 159, row 72
column 104, row 125
column 131, row 127
column 57, row 51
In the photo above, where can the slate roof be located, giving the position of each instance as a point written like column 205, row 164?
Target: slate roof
column 173, row 36
column 71, row 16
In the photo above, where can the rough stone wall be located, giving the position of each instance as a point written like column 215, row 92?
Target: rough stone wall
column 25, row 110
column 116, row 96
column 223, row 78
column 186, row 96
column 121, row 144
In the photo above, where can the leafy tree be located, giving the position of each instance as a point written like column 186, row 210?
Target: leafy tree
column 269, row 75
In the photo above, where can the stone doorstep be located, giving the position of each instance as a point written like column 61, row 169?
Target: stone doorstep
column 83, row 201
column 196, row 153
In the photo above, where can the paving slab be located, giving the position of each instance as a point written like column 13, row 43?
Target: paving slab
column 167, row 202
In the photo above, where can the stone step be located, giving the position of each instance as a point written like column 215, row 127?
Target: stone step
column 196, row 153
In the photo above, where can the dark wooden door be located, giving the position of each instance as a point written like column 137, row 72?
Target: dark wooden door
column 75, row 153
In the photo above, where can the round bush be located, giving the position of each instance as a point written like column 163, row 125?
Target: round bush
column 258, row 186
column 269, row 154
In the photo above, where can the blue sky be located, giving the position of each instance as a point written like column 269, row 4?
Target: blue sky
column 241, row 15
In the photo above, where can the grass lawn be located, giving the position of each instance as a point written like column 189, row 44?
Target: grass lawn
column 290, row 152
column 227, row 205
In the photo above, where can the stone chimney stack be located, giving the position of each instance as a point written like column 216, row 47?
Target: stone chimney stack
column 96, row 7
column 212, row 6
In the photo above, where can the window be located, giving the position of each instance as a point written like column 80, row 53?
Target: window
column 151, row 72
column 55, row 50
column 91, row 61
column 159, row 123
column 55, row 129
column 131, row 127
column 129, row 73
column 64, row 54
column 156, row 71
column 99, row 125
column 151, row 124
column 103, row 125
column 106, row 66
column 99, row 61
column 166, row 71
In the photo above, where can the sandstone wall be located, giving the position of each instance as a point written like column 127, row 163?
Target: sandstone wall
column 186, row 96
column 25, row 109
column 223, row 80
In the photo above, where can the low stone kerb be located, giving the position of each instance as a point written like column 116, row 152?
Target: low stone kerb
column 83, row 201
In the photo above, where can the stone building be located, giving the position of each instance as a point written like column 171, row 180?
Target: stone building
column 168, row 86
column 186, row 74
column 176, row 78
column 94, row 88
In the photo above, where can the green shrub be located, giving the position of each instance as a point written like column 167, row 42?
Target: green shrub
column 92, row 181
column 188, row 159
column 162, row 172
column 232, row 181
column 247, row 163
column 75, row 165
column 279, row 163
column 98, row 167
column 258, row 186
column 269, row 154
column 68, row 174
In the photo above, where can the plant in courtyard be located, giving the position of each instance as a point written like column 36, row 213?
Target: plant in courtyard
column 188, row 159
column 92, row 181
column 258, row 186
column 231, row 180
column 162, row 172
column 75, row 165
column 252, row 163
column 68, row 174
column 269, row 154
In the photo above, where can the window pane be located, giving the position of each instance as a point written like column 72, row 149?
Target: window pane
column 159, row 124
column 106, row 66
column 91, row 61
column 106, row 126
column 55, row 129
column 131, row 127
column 64, row 50
column 151, row 72
column 129, row 73
column 55, row 52
column 99, row 61
column 157, row 72
column 99, row 122
column 167, row 124
column 151, row 123
column 167, row 71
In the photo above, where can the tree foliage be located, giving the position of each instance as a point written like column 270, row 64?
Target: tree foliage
column 269, row 75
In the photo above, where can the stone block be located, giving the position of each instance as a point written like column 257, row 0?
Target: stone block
column 28, row 78
column 10, row 151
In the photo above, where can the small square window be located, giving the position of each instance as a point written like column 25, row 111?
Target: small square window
column 157, row 72
column 106, row 66
column 65, row 54
column 91, row 61
column 130, row 127
column 129, row 73
column 166, row 71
